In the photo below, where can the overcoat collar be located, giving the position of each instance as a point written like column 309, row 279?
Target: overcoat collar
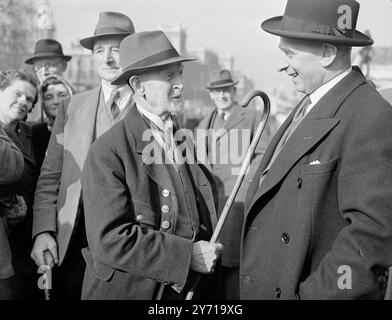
column 318, row 123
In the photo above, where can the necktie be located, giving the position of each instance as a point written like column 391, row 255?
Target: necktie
column 112, row 103
column 298, row 117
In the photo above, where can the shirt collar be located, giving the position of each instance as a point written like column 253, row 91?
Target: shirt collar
column 107, row 90
column 157, row 120
column 320, row 92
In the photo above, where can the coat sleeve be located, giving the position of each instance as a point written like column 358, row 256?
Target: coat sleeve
column 114, row 237
column 45, row 198
column 11, row 160
column 362, row 251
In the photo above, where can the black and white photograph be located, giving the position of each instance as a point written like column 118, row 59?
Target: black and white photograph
column 208, row 153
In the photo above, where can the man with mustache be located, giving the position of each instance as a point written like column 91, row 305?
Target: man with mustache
column 147, row 222
column 58, row 226
column 229, row 130
column 318, row 221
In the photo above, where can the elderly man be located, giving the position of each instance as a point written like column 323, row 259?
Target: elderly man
column 229, row 130
column 146, row 220
column 318, row 221
column 58, row 225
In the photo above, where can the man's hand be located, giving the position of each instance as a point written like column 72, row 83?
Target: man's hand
column 205, row 255
column 45, row 250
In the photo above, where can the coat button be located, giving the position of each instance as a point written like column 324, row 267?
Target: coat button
column 139, row 217
column 165, row 193
column 165, row 208
column 285, row 238
column 165, row 224
column 278, row 293
column 299, row 183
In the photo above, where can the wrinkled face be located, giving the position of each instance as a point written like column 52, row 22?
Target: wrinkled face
column 107, row 57
column 16, row 101
column 53, row 98
column 163, row 89
column 223, row 97
column 302, row 64
column 45, row 67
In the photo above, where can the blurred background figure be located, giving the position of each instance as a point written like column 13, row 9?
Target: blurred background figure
column 48, row 59
column 52, row 92
column 18, row 93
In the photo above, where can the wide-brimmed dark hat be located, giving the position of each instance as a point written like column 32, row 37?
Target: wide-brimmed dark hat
column 143, row 51
column 319, row 20
column 47, row 48
column 221, row 79
column 109, row 24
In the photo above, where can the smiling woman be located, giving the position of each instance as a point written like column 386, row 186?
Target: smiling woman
column 18, row 94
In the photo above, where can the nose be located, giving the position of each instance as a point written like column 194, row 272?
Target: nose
column 283, row 66
column 22, row 99
column 56, row 100
column 108, row 57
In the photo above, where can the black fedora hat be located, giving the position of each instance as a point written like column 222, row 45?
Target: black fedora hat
column 319, row 20
column 221, row 79
column 144, row 51
column 47, row 48
column 109, row 24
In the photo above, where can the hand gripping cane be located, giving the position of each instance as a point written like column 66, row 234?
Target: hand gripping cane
column 260, row 128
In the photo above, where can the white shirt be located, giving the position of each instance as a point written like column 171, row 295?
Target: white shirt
column 320, row 92
column 125, row 95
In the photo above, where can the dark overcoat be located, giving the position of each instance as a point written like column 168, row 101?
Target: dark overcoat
column 320, row 224
column 131, row 211
column 232, row 144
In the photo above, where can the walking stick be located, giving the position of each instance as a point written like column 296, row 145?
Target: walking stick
column 48, row 274
column 260, row 128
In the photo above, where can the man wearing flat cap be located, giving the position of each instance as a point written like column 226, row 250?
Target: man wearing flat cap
column 58, row 226
column 318, row 221
column 229, row 130
column 148, row 218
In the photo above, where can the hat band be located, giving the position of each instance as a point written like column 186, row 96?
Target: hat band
column 155, row 58
column 297, row 25
column 109, row 30
column 220, row 82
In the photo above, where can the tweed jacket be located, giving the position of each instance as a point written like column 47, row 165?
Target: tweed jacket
column 320, row 224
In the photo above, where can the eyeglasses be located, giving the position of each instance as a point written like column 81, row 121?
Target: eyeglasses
column 46, row 65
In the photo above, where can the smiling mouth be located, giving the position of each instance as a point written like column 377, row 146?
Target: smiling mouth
column 21, row 109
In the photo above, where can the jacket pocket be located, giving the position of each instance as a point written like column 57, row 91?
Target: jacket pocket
column 323, row 167
column 145, row 215
column 98, row 269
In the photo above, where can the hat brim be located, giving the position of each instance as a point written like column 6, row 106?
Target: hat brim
column 88, row 42
column 274, row 26
column 128, row 72
column 47, row 55
column 224, row 85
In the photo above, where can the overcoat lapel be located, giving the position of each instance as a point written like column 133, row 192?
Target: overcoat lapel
column 317, row 124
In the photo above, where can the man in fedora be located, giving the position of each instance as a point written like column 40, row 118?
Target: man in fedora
column 58, row 226
column 147, row 222
column 48, row 59
column 229, row 130
column 318, row 221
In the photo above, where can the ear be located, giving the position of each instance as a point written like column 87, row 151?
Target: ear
column 136, row 84
column 328, row 54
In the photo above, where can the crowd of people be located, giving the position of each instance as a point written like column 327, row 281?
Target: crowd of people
column 84, row 195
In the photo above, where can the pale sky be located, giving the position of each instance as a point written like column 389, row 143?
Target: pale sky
column 224, row 26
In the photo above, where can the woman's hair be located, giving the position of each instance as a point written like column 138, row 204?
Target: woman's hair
column 9, row 76
column 53, row 80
